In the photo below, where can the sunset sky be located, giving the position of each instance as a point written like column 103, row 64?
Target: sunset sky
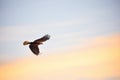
column 84, row 43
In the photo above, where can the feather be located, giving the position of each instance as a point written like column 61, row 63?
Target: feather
column 34, row 45
column 44, row 38
column 34, row 48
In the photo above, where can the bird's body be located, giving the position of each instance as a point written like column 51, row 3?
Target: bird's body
column 34, row 45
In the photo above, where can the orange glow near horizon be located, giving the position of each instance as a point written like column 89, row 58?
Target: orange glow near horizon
column 98, row 61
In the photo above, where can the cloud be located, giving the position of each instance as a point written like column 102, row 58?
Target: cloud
column 98, row 61
column 11, row 32
column 113, row 78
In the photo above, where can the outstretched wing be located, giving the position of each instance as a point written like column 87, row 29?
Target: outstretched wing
column 42, row 39
column 34, row 48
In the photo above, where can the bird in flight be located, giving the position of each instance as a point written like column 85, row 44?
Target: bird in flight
column 34, row 45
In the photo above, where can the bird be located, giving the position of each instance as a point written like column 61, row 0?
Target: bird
column 34, row 45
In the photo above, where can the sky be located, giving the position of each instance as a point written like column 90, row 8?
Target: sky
column 84, row 43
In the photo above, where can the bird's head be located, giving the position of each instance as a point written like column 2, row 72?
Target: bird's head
column 41, row 43
column 26, row 42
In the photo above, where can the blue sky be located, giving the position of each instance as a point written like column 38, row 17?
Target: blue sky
column 78, row 19
column 30, row 12
column 69, row 22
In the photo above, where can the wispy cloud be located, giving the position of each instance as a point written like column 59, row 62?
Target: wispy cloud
column 99, row 61
column 11, row 32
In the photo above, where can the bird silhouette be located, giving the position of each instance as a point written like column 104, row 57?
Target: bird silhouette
column 34, row 45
